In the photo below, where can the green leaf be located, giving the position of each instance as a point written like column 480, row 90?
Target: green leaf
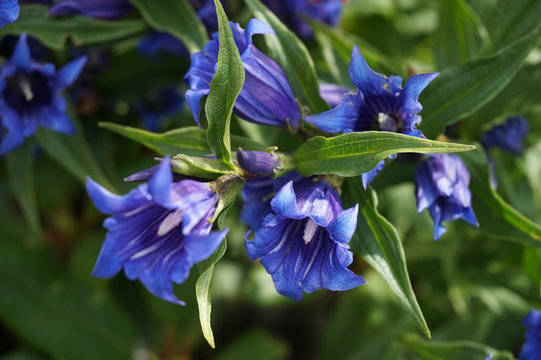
column 202, row 287
column 459, row 91
column 458, row 37
column 293, row 57
column 200, row 167
column 356, row 153
column 378, row 243
column 20, row 168
column 176, row 17
column 53, row 32
column 452, row 350
column 493, row 213
column 73, row 153
column 224, row 89
column 188, row 140
column 57, row 312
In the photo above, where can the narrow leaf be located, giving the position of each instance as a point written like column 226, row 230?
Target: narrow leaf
column 224, row 89
column 200, row 167
column 292, row 56
column 459, row 91
column 493, row 213
column 452, row 350
column 378, row 243
column 356, row 153
column 20, row 166
column 53, row 32
column 176, row 17
column 188, row 140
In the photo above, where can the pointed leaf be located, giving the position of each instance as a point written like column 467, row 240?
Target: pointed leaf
column 356, row 153
column 377, row 241
column 176, row 17
column 224, row 89
column 291, row 54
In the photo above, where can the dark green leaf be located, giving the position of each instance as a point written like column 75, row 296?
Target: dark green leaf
column 293, row 57
column 224, row 89
column 493, row 213
column 254, row 344
column 459, row 91
column 452, row 350
column 356, row 153
column 188, row 140
column 378, row 243
column 58, row 312
column 73, row 153
column 53, row 31
column 176, row 17
column 20, row 165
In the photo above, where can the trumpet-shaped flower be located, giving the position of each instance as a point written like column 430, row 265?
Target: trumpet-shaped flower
column 531, row 350
column 9, row 11
column 442, row 188
column 157, row 231
column 508, row 136
column 30, row 96
column 265, row 98
column 303, row 241
column 380, row 104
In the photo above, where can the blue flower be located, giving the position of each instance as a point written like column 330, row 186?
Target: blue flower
column 332, row 93
column 30, row 96
column 441, row 185
column 206, row 12
column 159, row 106
column 303, row 241
column 380, row 104
column 258, row 162
column 531, row 350
column 99, row 9
column 508, row 135
column 266, row 97
column 9, row 12
column 157, row 231
column 156, row 42
column 292, row 12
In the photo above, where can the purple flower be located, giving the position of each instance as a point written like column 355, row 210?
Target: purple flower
column 266, row 97
column 303, row 241
column 99, row 9
column 206, row 12
column 156, row 42
column 30, row 96
column 441, row 185
column 380, row 104
column 508, row 135
column 531, row 350
column 258, row 162
column 157, row 231
column 292, row 12
column 159, row 106
column 332, row 93
column 9, row 12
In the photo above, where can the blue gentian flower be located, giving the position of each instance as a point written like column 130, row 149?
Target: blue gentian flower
column 258, row 162
column 332, row 93
column 292, row 11
column 441, row 186
column 508, row 135
column 303, row 241
column 9, row 12
column 159, row 106
column 206, row 12
column 266, row 97
column 156, row 42
column 531, row 350
column 30, row 96
column 99, row 9
column 157, row 231
column 380, row 104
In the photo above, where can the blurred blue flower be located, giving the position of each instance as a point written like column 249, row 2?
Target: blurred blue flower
column 303, row 242
column 9, row 12
column 531, row 350
column 380, row 104
column 30, row 96
column 157, row 231
column 99, row 9
column 159, row 106
column 332, row 93
column 206, row 12
column 441, row 185
column 508, row 136
column 292, row 11
column 258, row 162
column 156, row 42
column 266, row 97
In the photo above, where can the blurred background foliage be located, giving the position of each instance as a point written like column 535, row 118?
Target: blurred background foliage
column 473, row 288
